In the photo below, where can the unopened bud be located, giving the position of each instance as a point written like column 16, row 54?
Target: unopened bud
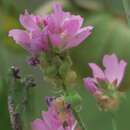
column 73, row 99
column 50, row 71
column 59, row 104
column 49, row 100
column 33, row 61
column 64, row 69
column 70, row 76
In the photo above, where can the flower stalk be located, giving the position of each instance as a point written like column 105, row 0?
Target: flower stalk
column 75, row 113
column 114, row 124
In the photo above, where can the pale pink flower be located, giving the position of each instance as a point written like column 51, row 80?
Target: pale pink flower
column 33, row 39
column 51, row 121
column 61, row 28
column 113, row 73
column 65, row 30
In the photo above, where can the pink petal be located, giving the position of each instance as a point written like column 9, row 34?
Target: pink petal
column 36, row 45
column 89, row 83
column 51, row 118
column 53, row 26
column 71, row 26
column 79, row 37
column 79, row 18
column 55, row 39
column 58, row 13
column 57, row 7
column 122, row 68
column 44, row 38
column 39, row 125
column 21, row 37
column 28, row 21
column 97, row 72
column 113, row 69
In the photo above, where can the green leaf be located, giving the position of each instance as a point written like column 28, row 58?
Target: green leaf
column 75, row 99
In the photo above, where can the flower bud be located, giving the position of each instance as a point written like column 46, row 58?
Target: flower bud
column 59, row 104
column 33, row 61
column 63, row 69
column 73, row 99
column 50, row 71
column 49, row 101
column 70, row 77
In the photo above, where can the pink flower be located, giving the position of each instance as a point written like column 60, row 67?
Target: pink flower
column 32, row 39
column 113, row 73
column 65, row 30
column 52, row 122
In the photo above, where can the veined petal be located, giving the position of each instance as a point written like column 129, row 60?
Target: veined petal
column 21, row 37
column 55, row 39
column 122, row 68
column 44, row 38
column 79, row 18
column 113, row 69
column 51, row 118
column 57, row 7
column 39, row 125
column 89, row 83
column 79, row 37
column 111, row 65
column 97, row 72
column 58, row 13
column 28, row 21
column 36, row 45
column 71, row 26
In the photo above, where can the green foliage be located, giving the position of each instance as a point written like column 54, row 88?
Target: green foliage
column 74, row 98
column 4, row 114
column 64, row 68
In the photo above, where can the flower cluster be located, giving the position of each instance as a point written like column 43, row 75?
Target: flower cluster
column 52, row 120
column 104, row 85
column 60, row 28
column 52, row 34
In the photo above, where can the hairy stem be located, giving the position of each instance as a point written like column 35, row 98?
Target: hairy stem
column 14, row 117
column 75, row 113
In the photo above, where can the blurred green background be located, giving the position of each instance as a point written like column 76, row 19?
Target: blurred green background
column 110, row 35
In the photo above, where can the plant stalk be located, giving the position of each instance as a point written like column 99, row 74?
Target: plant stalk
column 78, row 119
column 75, row 113
column 114, row 124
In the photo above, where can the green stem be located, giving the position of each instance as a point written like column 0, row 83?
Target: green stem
column 75, row 113
column 126, row 4
column 78, row 119
column 114, row 124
